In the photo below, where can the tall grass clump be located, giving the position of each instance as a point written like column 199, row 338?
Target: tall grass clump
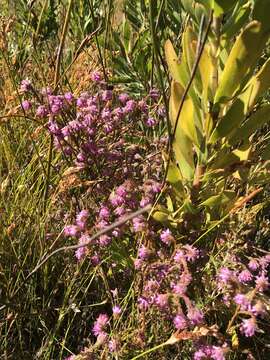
column 134, row 180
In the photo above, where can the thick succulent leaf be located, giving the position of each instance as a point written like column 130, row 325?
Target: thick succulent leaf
column 186, row 119
column 241, row 61
column 256, row 87
column 182, row 144
column 230, row 123
column 177, row 69
column 206, row 69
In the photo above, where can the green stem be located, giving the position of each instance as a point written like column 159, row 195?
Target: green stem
column 150, row 350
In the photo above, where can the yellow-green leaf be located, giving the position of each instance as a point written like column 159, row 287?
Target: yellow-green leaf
column 241, row 61
column 222, row 6
column 185, row 131
column 177, row 70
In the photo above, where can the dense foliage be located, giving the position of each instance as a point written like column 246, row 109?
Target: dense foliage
column 134, row 180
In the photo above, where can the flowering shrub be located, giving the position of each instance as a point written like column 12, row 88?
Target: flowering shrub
column 96, row 135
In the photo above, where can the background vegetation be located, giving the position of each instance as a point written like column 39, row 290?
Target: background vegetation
column 206, row 179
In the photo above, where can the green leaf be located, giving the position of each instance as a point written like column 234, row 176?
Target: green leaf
column 222, row 6
column 241, row 61
column 230, row 123
column 185, row 131
column 177, row 70
column 254, row 123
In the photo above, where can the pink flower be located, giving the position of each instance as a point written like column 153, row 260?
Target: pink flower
column 180, row 322
column 71, row 230
column 195, row 316
column 116, row 311
column 253, row 264
column 245, row 276
column 100, row 324
column 166, row 237
column 242, row 300
column 249, row 326
column 26, row 105
column 262, row 283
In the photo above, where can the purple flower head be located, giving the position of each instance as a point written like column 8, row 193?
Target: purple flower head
column 195, row 316
column 95, row 260
column 116, row 200
column 179, row 289
column 245, row 276
column 145, row 201
column 96, row 76
column 81, row 102
column 180, row 322
column 69, row 96
column 179, row 256
column 41, row 111
column 104, row 240
column 154, row 94
column 71, row 230
column 253, row 264
column 242, row 300
column 104, row 213
column 100, row 324
column 162, row 301
column 120, row 210
column 225, row 275
column 129, row 107
column 218, row 353
column 143, row 106
column 151, row 122
column 143, row 303
column 25, row 85
column 66, row 131
column 123, row 98
column 262, row 283
column 116, row 311
column 80, row 253
column 161, row 111
column 139, row 224
column 144, row 253
column 138, row 263
column 248, row 327
column 107, row 95
column 54, row 128
column 82, row 218
column 191, row 253
column 121, row 191
column 259, row 309
column 166, row 237
column 26, row 105
column 106, row 114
